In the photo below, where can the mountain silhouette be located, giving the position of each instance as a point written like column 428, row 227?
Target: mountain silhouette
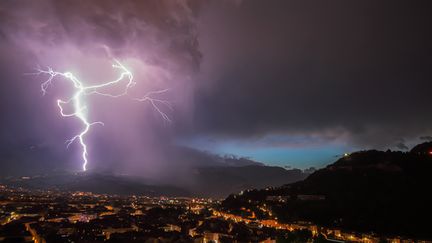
column 385, row 192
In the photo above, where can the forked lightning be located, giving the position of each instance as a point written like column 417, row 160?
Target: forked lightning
column 79, row 106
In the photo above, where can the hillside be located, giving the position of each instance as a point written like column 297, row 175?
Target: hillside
column 216, row 182
column 385, row 192
column 219, row 182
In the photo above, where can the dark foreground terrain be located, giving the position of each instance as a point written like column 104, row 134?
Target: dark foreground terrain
column 367, row 191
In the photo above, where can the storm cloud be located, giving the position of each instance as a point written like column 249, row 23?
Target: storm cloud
column 157, row 40
column 357, row 70
column 282, row 74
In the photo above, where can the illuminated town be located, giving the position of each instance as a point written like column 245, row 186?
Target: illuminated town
column 215, row 121
column 55, row 216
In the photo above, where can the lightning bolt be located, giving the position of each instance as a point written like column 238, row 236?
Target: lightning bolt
column 81, row 90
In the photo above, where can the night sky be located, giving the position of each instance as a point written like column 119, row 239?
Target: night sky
column 287, row 83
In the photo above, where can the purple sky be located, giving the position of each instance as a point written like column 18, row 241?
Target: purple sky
column 281, row 82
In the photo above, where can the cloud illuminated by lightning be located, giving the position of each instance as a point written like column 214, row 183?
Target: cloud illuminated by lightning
column 79, row 105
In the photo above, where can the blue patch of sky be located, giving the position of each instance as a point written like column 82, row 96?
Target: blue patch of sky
column 286, row 151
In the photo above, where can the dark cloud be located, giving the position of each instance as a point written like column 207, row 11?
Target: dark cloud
column 359, row 69
column 427, row 138
column 402, row 146
column 356, row 72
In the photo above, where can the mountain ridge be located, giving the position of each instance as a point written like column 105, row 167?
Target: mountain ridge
column 378, row 191
column 203, row 181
